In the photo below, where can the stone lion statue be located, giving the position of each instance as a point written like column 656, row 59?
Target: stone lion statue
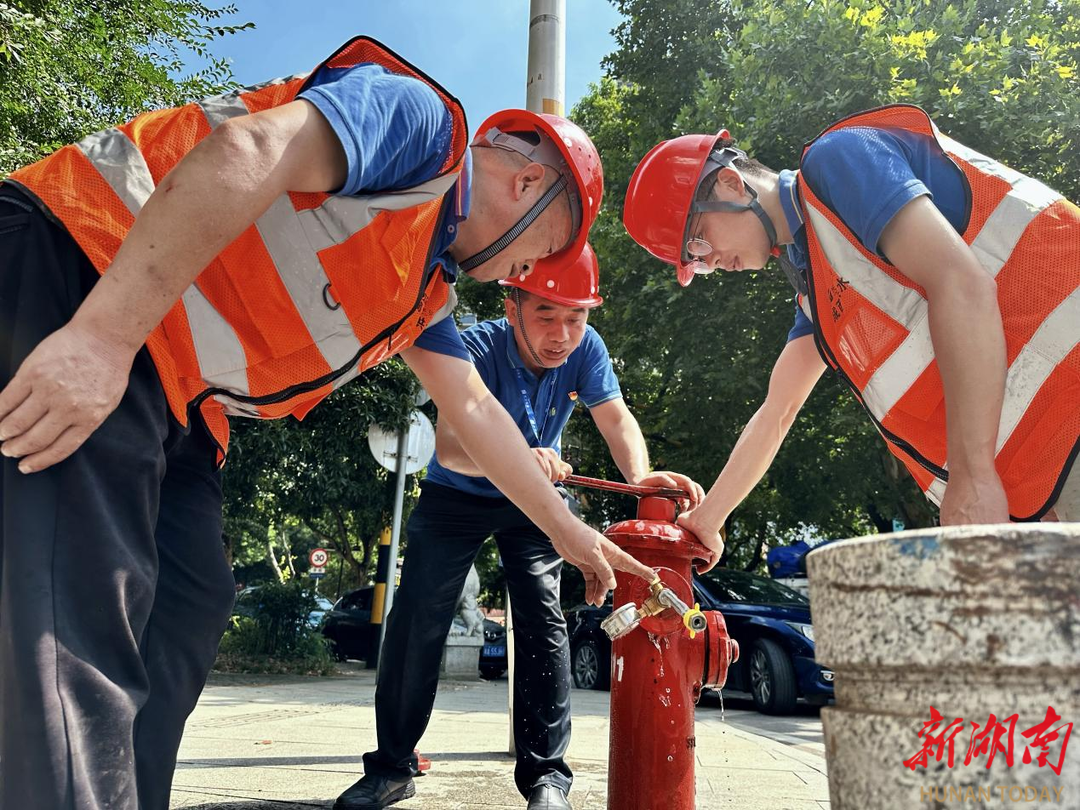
column 469, row 621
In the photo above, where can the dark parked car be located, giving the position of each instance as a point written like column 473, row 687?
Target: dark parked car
column 771, row 622
column 348, row 625
column 493, row 660
column 352, row 635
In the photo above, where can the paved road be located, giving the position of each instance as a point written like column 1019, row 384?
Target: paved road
column 801, row 729
column 281, row 743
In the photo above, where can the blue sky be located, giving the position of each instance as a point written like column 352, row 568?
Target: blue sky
column 477, row 49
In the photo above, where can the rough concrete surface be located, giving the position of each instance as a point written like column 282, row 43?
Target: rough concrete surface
column 980, row 622
column 266, row 743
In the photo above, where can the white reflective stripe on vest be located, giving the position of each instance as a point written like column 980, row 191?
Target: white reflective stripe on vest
column 220, row 109
column 1003, row 228
column 900, row 302
column 303, row 275
column 1055, row 338
column 992, row 247
column 288, row 236
column 984, row 164
column 936, row 491
column 119, row 161
column 339, row 218
column 229, row 105
column 222, row 360
column 446, row 309
column 217, row 346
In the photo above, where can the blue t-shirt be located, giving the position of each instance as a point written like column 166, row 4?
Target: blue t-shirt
column 396, row 133
column 865, row 175
column 586, row 375
column 395, row 129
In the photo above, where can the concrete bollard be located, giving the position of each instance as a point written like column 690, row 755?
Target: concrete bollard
column 972, row 620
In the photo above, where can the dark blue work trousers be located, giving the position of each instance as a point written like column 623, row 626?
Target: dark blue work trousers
column 445, row 532
column 114, row 587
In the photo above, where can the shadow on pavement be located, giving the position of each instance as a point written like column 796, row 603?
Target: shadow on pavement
column 264, row 805
column 356, row 759
column 258, row 762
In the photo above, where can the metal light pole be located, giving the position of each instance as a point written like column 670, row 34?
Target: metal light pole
column 545, row 88
column 545, row 92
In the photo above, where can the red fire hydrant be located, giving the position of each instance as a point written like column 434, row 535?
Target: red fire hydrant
column 664, row 652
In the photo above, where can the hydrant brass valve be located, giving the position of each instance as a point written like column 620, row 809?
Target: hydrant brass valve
column 629, row 616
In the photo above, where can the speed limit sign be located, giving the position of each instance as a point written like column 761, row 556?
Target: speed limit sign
column 318, row 557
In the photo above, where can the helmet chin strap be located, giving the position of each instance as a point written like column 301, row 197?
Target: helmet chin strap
column 500, row 244
column 521, row 326
column 718, row 160
column 725, row 157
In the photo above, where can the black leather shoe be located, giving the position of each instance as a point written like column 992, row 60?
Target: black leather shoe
column 377, row 792
column 548, row 797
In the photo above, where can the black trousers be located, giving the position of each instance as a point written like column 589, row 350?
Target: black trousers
column 114, row 588
column 445, row 532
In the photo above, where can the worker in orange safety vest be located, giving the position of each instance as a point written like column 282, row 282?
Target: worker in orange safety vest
column 941, row 286
column 244, row 255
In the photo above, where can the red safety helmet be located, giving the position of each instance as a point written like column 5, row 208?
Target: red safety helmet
column 660, row 195
column 573, row 284
column 575, row 151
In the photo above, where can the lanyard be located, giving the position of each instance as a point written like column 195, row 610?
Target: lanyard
column 538, row 430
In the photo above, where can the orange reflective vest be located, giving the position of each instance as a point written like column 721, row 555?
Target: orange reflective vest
column 318, row 289
column 871, row 324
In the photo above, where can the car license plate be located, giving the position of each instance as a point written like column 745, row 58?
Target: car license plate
column 494, row 651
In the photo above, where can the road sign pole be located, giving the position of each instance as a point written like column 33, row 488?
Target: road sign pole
column 395, row 534
column 317, row 560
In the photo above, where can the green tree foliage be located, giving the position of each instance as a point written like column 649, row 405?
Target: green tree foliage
column 999, row 76
column 302, row 484
column 70, row 67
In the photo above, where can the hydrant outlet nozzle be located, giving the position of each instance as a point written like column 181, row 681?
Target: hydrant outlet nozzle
column 621, row 621
column 627, row 618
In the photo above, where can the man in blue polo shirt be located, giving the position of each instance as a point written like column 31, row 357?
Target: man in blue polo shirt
column 538, row 362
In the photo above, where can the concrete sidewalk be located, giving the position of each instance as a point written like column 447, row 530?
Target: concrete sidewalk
column 273, row 743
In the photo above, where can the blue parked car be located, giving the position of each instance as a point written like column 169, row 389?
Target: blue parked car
column 770, row 621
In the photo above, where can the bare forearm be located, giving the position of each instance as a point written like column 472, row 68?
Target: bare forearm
column 490, row 438
column 203, row 204
column 969, row 343
column 450, row 453
column 628, row 450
